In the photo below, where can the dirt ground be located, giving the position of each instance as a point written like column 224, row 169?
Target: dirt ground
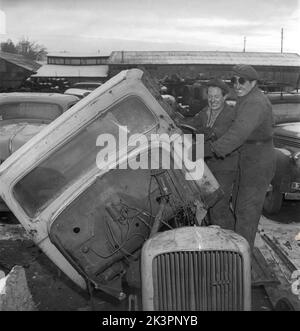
column 53, row 291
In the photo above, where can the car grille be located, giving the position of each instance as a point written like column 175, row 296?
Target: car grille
column 201, row 281
column 286, row 142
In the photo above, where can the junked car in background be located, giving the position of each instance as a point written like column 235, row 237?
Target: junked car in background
column 121, row 228
column 286, row 181
column 79, row 93
column 90, row 86
column 82, row 89
column 23, row 115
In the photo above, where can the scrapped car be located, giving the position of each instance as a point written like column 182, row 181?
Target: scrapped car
column 80, row 93
column 90, row 86
column 23, row 115
column 82, row 89
column 286, row 181
column 113, row 224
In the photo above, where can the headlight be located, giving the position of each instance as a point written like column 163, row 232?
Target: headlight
column 296, row 158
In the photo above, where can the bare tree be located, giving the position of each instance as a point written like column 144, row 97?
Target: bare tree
column 8, row 46
column 31, row 49
column 25, row 47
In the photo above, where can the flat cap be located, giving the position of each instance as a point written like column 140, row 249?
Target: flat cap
column 245, row 71
column 216, row 82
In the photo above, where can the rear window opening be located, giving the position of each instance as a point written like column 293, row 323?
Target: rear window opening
column 30, row 110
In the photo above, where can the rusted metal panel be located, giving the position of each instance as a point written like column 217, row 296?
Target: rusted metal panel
column 14, row 292
column 261, row 273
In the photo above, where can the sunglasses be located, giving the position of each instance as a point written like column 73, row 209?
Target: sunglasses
column 240, row 80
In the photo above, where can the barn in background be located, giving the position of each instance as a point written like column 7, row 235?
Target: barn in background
column 14, row 70
column 283, row 68
column 74, row 67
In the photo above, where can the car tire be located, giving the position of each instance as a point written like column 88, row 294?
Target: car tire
column 284, row 305
column 273, row 201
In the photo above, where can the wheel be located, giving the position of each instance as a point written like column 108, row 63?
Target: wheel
column 273, row 201
column 284, row 305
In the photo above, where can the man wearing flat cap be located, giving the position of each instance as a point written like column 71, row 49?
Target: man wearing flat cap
column 213, row 121
column 251, row 135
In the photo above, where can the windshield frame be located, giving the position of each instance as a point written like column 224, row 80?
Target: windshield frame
column 21, row 162
column 88, row 172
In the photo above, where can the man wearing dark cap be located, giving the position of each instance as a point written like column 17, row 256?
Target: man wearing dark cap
column 213, row 121
column 251, row 135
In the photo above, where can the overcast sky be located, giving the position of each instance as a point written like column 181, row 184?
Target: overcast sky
column 107, row 25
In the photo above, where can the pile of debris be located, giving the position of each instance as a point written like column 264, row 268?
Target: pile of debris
column 14, row 291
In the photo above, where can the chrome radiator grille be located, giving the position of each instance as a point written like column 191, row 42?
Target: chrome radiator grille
column 201, row 280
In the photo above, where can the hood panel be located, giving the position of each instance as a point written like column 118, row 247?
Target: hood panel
column 290, row 129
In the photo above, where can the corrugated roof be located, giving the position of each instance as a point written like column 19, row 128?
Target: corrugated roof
column 20, row 61
column 205, row 57
column 81, row 55
column 52, row 70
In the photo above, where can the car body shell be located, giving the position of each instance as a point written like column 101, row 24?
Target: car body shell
column 23, row 115
column 287, row 143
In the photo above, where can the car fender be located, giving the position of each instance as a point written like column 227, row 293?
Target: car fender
column 282, row 174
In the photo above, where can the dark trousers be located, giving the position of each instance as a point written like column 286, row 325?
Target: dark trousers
column 256, row 169
column 221, row 213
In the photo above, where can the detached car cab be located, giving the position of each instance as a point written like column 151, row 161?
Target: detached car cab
column 286, row 181
column 23, row 115
column 99, row 222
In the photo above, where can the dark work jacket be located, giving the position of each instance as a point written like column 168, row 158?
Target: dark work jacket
column 223, row 122
column 253, row 124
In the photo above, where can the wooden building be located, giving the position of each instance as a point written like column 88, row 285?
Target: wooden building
column 14, row 70
column 273, row 67
column 74, row 67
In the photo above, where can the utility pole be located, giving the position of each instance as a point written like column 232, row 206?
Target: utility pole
column 245, row 40
column 281, row 73
column 281, row 40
